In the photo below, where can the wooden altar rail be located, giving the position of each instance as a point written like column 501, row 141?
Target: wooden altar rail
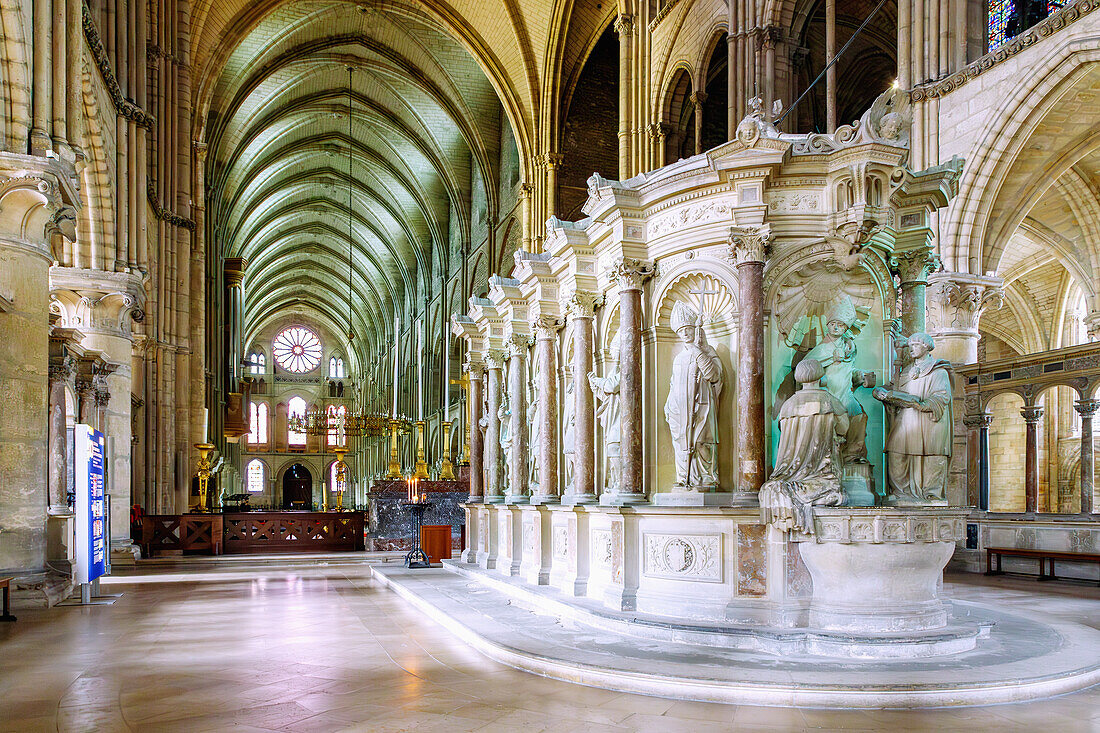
column 251, row 533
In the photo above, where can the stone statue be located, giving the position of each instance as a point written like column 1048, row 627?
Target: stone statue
column 837, row 354
column 812, row 426
column 534, row 405
column 504, row 415
column 918, row 445
column 691, row 409
column 606, row 391
column 569, row 435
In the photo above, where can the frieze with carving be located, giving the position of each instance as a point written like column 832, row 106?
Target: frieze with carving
column 683, row 557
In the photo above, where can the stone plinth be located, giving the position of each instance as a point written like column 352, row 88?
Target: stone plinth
column 879, row 570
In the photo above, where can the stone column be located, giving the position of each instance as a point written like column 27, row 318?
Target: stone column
column 913, row 266
column 546, row 346
column 581, row 308
column 768, row 41
column 698, row 99
column 630, row 275
column 31, row 213
column 624, row 27
column 234, row 278
column 87, row 410
column 494, row 464
column 1086, row 409
column 748, row 247
column 830, row 74
column 977, row 459
column 477, row 445
column 517, row 403
column 1032, row 415
column 955, row 304
column 60, row 372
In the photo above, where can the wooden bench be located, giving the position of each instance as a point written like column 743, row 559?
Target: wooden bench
column 1044, row 557
column 5, row 586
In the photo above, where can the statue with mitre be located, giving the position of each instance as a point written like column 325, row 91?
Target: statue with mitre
column 691, row 409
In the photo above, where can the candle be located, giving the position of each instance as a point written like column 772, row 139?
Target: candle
column 206, row 425
column 396, row 360
column 420, row 371
column 446, row 373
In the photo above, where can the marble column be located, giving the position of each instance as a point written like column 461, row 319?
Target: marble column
column 518, row 473
column 546, row 349
column 234, row 279
column 977, row 459
column 581, row 308
column 624, row 28
column 630, row 275
column 1086, row 409
column 913, row 267
column 60, row 373
column 475, row 370
column 748, row 247
column 494, row 463
column 1032, row 414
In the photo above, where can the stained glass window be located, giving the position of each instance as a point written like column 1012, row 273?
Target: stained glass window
column 257, row 425
column 1000, row 12
column 297, row 349
column 255, row 474
column 296, row 406
column 258, row 362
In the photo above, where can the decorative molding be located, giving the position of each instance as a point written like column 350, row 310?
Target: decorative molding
column 1047, row 27
column 683, row 557
column 164, row 214
column 886, row 526
column 601, row 548
column 123, row 106
column 702, row 213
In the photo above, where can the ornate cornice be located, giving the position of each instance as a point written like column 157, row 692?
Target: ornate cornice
column 164, row 214
column 1047, row 27
column 123, row 106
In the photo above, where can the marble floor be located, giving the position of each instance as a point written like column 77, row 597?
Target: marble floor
column 267, row 645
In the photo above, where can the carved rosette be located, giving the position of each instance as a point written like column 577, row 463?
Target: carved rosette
column 582, row 304
column 631, row 274
column 956, row 303
column 749, row 244
column 547, row 327
column 914, row 266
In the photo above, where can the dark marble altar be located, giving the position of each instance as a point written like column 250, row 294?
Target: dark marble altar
column 392, row 526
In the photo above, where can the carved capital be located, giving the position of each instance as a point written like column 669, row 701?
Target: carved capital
column 62, row 368
column 914, row 266
column 630, row 273
column 978, row 421
column 956, row 302
column 234, row 271
column 551, row 161
column 547, row 327
column 698, row 99
column 1086, row 408
column 474, row 367
column 770, row 37
column 495, row 358
column 582, row 304
column 749, row 244
column 102, row 396
column 517, row 345
column 1032, row 414
column 1092, row 325
column 624, row 25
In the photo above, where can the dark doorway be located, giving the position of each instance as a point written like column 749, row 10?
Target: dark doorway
column 298, row 488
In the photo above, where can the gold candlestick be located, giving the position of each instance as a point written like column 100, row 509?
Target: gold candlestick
column 341, row 476
column 446, row 469
column 395, row 464
column 204, row 474
column 421, row 469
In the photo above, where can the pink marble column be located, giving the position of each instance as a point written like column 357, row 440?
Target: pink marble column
column 517, row 402
column 494, row 465
column 1086, row 409
column 748, row 249
column 581, row 308
column 61, row 369
column 1032, row 415
column 474, row 370
column 913, row 267
column 630, row 274
column 546, row 346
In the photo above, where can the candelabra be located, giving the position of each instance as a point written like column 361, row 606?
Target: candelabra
column 446, row 468
column 204, row 473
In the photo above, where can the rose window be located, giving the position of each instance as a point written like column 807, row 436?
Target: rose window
column 297, row 350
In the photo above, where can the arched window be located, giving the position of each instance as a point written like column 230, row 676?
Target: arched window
column 336, row 368
column 296, row 406
column 255, row 475
column 257, row 417
column 336, row 430
column 258, row 363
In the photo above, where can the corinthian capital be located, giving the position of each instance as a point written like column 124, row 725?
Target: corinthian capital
column 914, row 265
column 495, row 358
column 631, row 274
column 956, row 300
column 474, row 367
column 547, row 327
column 518, row 344
column 582, row 304
column 749, row 244
column 624, row 25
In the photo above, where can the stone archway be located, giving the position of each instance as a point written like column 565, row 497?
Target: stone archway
column 298, row 488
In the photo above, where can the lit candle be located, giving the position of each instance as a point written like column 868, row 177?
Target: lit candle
column 396, row 360
column 206, row 424
column 446, row 374
column 420, row 370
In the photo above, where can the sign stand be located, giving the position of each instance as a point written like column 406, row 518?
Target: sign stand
column 93, row 512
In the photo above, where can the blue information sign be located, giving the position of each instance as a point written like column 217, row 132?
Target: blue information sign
column 91, row 505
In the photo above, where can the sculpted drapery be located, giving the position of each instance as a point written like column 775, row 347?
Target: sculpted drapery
column 609, row 413
column 691, row 409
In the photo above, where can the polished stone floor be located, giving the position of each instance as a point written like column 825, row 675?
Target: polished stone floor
column 318, row 646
